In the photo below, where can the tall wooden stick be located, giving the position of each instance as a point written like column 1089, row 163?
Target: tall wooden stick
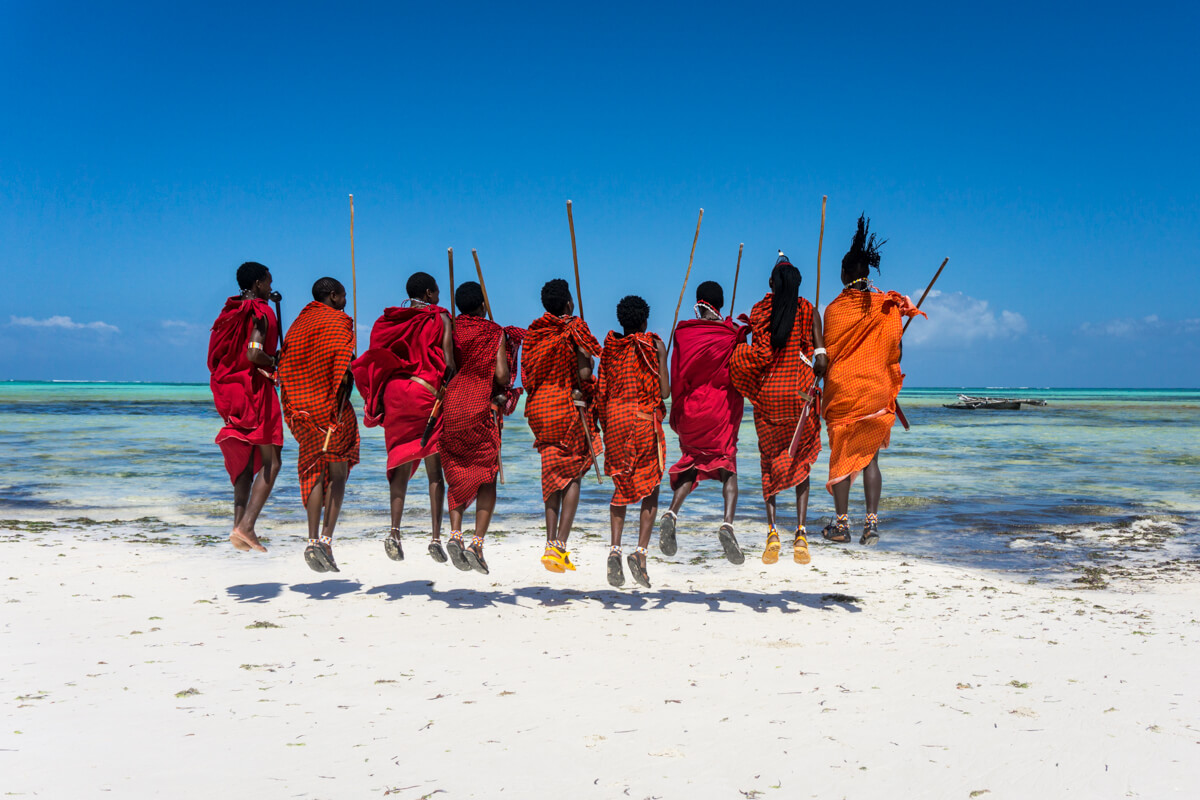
column 353, row 275
column 487, row 304
column 736, row 273
column 927, row 288
column 575, row 258
column 450, row 255
column 687, row 275
column 820, row 243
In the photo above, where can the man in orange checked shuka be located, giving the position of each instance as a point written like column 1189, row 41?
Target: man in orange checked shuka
column 315, row 384
column 242, row 360
column 777, row 372
column 862, row 336
column 556, row 372
column 633, row 383
column 400, row 378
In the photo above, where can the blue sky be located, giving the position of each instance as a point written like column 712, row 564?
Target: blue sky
column 146, row 150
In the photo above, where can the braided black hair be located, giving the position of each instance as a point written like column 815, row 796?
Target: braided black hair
column 863, row 253
column 324, row 287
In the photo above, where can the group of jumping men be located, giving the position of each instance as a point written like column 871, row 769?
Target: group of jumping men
column 441, row 384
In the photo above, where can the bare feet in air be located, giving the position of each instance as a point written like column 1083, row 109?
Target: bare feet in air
column 246, row 540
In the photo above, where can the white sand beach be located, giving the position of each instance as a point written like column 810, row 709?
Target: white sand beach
column 142, row 670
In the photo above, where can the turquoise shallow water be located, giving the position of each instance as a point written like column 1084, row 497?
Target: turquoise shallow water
column 1095, row 475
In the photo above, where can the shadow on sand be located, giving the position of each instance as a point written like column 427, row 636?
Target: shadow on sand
column 787, row 602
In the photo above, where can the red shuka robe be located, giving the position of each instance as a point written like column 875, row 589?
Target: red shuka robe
column 470, row 441
column 631, row 413
column 549, row 373
column 706, row 409
column 772, row 380
column 243, row 393
column 406, row 343
column 316, row 353
column 862, row 340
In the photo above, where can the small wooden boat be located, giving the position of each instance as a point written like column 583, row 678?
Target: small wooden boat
column 968, row 402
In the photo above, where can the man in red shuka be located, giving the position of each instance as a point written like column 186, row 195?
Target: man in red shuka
column 241, row 360
column 477, row 397
column 706, row 412
column 400, row 378
column 633, row 383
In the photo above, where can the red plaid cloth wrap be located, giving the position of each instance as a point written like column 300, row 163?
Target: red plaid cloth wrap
column 631, row 413
column 470, row 441
column 243, row 393
column 406, row 343
column 549, row 372
column 773, row 380
column 706, row 409
column 316, row 354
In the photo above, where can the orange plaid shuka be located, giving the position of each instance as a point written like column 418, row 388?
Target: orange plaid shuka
column 631, row 413
column 549, row 373
column 470, row 440
column 316, row 355
column 773, row 381
column 862, row 337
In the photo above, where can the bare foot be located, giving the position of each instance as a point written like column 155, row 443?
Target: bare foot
column 246, row 540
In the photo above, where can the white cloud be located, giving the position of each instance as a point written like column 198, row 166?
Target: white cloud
column 66, row 323
column 1130, row 327
column 961, row 319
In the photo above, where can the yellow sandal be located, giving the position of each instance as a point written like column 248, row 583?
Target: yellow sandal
column 557, row 558
column 771, row 551
column 800, row 552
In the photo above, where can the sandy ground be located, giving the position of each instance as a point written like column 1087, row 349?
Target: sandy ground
column 141, row 670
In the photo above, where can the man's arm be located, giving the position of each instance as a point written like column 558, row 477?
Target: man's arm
column 254, row 350
column 448, row 347
column 584, row 363
column 664, row 378
column 503, row 374
column 821, row 362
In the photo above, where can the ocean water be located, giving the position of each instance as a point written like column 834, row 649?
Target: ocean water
column 1096, row 476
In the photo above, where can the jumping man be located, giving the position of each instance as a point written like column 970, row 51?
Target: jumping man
column 315, row 384
column 556, row 371
column 400, row 378
column 479, row 393
column 706, row 412
column 241, row 360
column 633, row 383
column 777, row 372
column 862, row 329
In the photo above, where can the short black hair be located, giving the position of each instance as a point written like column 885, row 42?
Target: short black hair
column 468, row 297
column 324, row 287
column 555, row 296
column 632, row 313
column 711, row 292
column 863, row 253
column 250, row 273
column 419, row 283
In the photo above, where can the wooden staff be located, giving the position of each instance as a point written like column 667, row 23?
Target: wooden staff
column 575, row 258
column 450, row 255
column 353, row 275
column 344, row 390
column 926, row 293
column 478, row 271
column 736, row 272
column 820, row 242
column 687, row 275
column 500, row 442
column 899, row 411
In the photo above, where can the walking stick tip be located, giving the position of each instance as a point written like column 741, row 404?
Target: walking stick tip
column 568, row 202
